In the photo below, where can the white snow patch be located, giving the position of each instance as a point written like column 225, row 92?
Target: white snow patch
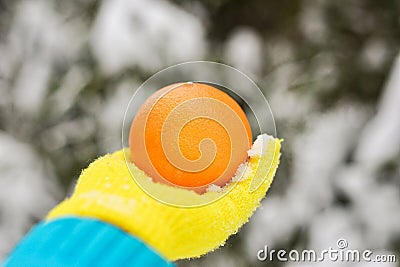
column 244, row 51
column 260, row 145
column 149, row 34
column 214, row 188
column 27, row 190
column 380, row 141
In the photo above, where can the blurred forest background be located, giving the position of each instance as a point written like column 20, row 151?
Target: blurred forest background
column 330, row 70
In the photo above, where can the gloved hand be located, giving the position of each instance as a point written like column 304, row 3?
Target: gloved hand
column 107, row 199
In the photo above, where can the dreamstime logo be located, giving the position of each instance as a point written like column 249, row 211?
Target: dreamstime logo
column 342, row 243
column 215, row 162
column 341, row 253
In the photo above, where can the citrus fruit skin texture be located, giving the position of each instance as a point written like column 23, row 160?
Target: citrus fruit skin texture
column 211, row 132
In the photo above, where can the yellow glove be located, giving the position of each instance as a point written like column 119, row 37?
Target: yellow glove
column 107, row 191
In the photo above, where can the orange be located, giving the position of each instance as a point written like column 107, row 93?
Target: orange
column 190, row 135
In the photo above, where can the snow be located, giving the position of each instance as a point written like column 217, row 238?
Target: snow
column 28, row 190
column 380, row 141
column 312, row 21
column 150, row 34
column 260, row 145
column 37, row 42
column 244, row 51
column 214, row 188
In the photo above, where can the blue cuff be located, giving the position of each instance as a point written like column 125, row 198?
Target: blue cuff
column 82, row 242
